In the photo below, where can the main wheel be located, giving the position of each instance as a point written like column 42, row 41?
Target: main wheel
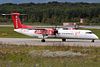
column 43, row 40
column 92, row 40
column 63, row 39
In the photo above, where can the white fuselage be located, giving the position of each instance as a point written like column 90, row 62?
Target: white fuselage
column 67, row 34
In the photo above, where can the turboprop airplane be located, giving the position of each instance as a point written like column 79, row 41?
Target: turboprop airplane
column 43, row 33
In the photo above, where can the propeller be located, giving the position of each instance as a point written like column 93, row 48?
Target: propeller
column 55, row 30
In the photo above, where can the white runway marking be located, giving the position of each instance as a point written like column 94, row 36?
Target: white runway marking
column 49, row 42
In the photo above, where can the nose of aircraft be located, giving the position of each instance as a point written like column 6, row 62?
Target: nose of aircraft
column 96, row 37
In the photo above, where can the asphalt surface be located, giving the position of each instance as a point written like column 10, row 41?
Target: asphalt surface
column 91, row 27
column 49, row 42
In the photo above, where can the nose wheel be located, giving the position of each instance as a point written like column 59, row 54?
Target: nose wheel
column 92, row 40
column 43, row 40
column 63, row 40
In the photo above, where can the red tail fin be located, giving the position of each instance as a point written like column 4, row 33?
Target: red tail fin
column 17, row 21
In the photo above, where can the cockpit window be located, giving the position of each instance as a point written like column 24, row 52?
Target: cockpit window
column 89, row 32
column 65, row 28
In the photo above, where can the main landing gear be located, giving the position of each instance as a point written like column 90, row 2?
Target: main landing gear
column 92, row 40
column 43, row 40
column 63, row 40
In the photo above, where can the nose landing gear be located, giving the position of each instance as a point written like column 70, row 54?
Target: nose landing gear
column 92, row 40
column 63, row 40
column 43, row 40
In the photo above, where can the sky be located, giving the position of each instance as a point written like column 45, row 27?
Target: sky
column 45, row 1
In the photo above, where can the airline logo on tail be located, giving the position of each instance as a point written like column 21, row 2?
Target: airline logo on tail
column 16, row 21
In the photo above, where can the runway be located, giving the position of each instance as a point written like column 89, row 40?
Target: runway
column 49, row 42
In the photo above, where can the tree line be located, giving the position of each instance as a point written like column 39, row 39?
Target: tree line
column 54, row 12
